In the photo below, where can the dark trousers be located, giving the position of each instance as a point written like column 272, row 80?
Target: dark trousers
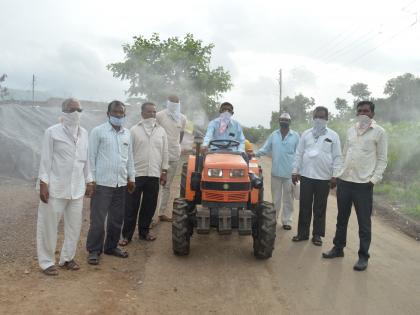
column 106, row 201
column 361, row 196
column 148, row 187
column 313, row 198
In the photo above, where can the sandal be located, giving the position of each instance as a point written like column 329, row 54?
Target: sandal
column 71, row 265
column 93, row 258
column 124, row 242
column 148, row 237
column 117, row 252
column 298, row 238
column 51, row 271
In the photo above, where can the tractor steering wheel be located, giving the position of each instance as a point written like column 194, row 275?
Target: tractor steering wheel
column 224, row 144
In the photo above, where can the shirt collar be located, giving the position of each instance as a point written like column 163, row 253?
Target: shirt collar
column 111, row 128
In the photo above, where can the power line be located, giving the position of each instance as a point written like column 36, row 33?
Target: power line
column 382, row 43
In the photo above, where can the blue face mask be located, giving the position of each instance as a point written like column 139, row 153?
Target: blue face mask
column 116, row 121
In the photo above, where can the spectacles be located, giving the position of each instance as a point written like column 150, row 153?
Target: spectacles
column 72, row 110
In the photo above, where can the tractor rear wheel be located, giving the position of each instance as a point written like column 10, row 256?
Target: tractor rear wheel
column 264, row 230
column 180, row 228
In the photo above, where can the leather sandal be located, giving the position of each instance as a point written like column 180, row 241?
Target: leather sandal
column 51, row 271
column 298, row 238
column 148, row 237
column 71, row 265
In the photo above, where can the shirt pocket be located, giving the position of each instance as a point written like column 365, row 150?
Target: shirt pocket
column 326, row 146
column 124, row 149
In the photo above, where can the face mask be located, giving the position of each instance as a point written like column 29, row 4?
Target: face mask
column 149, row 121
column 364, row 121
column 319, row 127
column 284, row 124
column 225, row 115
column 71, row 119
column 174, row 110
column 116, row 121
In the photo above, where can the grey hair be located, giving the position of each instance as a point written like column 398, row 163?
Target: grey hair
column 67, row 102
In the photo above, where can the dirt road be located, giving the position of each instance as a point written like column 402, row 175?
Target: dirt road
column 219, row 277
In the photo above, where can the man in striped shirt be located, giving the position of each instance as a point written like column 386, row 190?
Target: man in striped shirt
column 111, row 159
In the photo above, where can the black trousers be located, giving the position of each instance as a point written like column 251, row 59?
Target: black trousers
column 106, row 201
column 313, row 198
column 148, row 187
column 361, row 196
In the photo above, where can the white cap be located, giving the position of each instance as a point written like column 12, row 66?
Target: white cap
column 285, row 116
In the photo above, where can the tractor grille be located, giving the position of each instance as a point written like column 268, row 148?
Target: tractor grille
column 225, row 196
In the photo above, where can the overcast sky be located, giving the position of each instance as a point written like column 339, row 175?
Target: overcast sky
column 323, row 47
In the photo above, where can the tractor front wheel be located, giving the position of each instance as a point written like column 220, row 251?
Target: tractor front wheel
column 180, row 228
column 264, row 230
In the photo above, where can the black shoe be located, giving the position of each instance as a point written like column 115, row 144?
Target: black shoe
column 286, row 227
column 316, row 240
column 116, row 252
column 93, row 258
column 333, row 253
column 298, row 238
column 361, row 264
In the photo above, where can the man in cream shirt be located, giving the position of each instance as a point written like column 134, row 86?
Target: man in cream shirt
column 64, row 177
column 150, row 154
column 365, row 161
column 174, row 123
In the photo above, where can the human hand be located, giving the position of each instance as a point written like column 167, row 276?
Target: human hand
column 131, row 186
column 90, row 189
column 163, row 178
column 44, row 195
column 333, row 182
column 295, row 178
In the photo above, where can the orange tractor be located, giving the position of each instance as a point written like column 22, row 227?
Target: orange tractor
column 222, row 190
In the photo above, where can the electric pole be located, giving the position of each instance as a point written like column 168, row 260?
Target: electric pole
column 280, row 86
column 33, row 90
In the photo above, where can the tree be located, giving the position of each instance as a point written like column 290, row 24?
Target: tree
column 360, row 91
column 157, row 68
column 3, row 91
column 342, row 106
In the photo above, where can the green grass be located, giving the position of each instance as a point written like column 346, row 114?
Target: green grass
column 407, row 196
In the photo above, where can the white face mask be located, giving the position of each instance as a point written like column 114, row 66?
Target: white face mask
column 319, row 127
column 149, row 124
column 363, row 121
column 71, row 119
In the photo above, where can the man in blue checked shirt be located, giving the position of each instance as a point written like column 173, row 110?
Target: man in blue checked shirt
column 224, row 128
column 111, row 158
column 282, row 145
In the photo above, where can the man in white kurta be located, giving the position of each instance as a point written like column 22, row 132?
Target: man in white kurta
column 174, row 122
column 64, row 173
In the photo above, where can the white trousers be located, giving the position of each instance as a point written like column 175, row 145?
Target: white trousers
column 282, row 187
column 49, row 215
column 165, row 191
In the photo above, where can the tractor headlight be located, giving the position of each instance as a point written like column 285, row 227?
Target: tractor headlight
column 236, row 173
column 215, row 172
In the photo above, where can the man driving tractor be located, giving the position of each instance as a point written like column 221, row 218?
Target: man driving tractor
column 224, row 128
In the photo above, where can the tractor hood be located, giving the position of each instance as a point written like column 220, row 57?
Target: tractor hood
column 225, row 161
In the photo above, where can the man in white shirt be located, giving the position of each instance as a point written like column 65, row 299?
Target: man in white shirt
column 150, row 153
column 173, row 121
column 317, row 163
column 64, row 178
column 365, row 161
